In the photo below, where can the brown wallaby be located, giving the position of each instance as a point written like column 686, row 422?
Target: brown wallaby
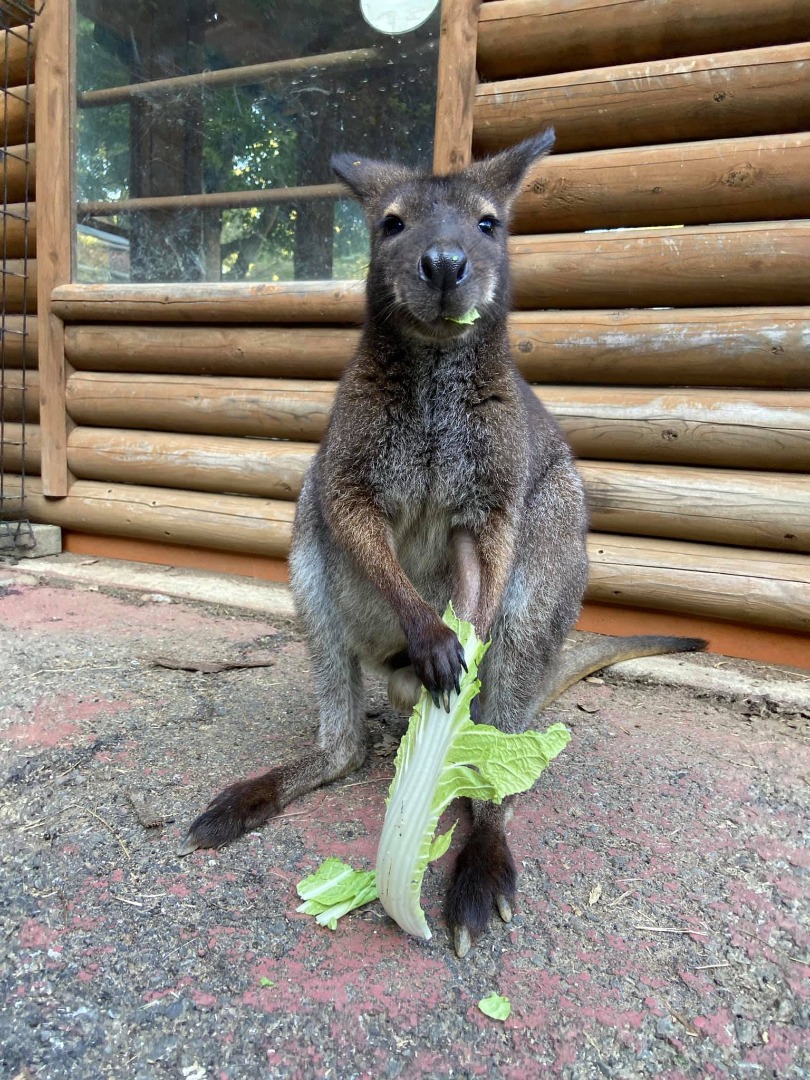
column 440, row 477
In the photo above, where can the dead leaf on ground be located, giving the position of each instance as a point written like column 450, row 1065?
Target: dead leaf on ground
column 146, row 812
column 595, row 893
column 587, row 708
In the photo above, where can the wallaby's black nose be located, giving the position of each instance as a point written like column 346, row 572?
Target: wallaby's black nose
column 443, row 266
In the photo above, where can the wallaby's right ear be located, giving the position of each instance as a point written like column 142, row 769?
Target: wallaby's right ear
column 503, row 173
column 368, row 179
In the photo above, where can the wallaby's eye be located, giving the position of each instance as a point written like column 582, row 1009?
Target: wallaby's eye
column 391, row 225
column 488, row 225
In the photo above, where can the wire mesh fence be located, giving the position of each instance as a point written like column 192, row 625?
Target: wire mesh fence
column 16, row 350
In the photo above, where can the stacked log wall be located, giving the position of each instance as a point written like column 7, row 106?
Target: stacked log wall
column 662, row 290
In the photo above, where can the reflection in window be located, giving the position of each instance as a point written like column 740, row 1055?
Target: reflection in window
column 205, row 129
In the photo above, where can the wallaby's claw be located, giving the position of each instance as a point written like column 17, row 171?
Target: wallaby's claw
column 435, row 695
column 446, row 700
column 462, row 942
column 187, row 845
column 504, row 907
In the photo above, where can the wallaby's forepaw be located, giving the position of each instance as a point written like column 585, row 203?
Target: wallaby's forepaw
column 485, row 881
column 437, row 658
column 236, row 810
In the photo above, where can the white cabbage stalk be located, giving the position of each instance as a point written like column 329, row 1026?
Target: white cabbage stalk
column 444, row 756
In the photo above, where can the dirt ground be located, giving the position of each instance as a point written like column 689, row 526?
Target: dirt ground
column 662, row 922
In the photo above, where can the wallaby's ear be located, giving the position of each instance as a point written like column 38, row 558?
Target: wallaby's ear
column 502, row 174
column 366, row 178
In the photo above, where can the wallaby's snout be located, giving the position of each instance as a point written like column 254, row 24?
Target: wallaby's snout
column 439, row 261
column 444, row 266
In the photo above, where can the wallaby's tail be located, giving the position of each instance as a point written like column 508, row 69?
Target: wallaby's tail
column 582, row 660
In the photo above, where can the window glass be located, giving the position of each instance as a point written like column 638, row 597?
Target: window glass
column 205, row 129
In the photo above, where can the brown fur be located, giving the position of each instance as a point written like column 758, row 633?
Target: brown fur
column 440, row 477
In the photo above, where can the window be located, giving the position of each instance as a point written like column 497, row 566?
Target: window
column 205, row 129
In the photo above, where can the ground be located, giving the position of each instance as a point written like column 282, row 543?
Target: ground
column 662, row 922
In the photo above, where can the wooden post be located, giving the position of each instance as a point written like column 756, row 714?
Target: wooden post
column 455, row 97
column 55, row 93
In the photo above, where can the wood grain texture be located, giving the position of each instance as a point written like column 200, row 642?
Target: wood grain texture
column 538, row 37
column 19, row 231
column 755, row 429
column 741, row 585
column 21, row 444
column 55, row 93
column 719, row 96
column 455, row 91
column 18, row 173
column 14, row 53
column 197, row 519
column 269, row 408
column 20, row 341
column 763, row 178
column 768, row 347
column 20, row 396
column 756, row 346
column 758, row 429
column 260, row 467
column 700, row 265
column 273, row 352
column 747, row 586
column 18, row 114
column 715, row 506
column 338, row 302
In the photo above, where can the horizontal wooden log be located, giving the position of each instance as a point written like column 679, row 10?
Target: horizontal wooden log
column 20, row 286
column 21, row 443
column 719, row 96
column 20, row 396
column 264, row 408
column 756, row 429
column 243, row 75
column 19, row 230
column 217, row 200
column 759, row 429
column 17, row 55
column 740, row 585
column 195, row 519
column 538, row 37
column 697, row 266
column 19, row 341
column 762, row 178
column 273, row 352
column 751, row 509
column 736, row 584
column 18, row 115
column 18, row 173
column 340, row 302
column 259, row 467
column 719, row 506
column 766, row 347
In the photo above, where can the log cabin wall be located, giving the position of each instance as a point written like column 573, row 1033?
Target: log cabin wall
column 662, row 292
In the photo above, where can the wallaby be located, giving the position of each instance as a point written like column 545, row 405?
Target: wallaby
column 440, row 477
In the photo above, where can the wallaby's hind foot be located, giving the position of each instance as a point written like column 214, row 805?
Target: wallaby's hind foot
column 485, row 880
column 248, row 804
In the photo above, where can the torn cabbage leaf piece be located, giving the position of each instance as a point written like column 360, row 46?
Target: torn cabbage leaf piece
column 465, row 320
column 334, row 889
column 444, row 756
column 499, row 1008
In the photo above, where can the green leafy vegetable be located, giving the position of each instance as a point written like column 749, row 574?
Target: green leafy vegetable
column 334, row 889
column 495, row 1006
column 465, row 320
column 444, row 756
column 264, row 981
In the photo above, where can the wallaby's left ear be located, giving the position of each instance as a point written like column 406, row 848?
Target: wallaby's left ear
column 368, row 179
column 503, row 174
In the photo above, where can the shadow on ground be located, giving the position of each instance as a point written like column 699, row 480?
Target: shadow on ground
column 661, row 929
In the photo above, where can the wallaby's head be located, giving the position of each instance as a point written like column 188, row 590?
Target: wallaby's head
column 438, row 243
